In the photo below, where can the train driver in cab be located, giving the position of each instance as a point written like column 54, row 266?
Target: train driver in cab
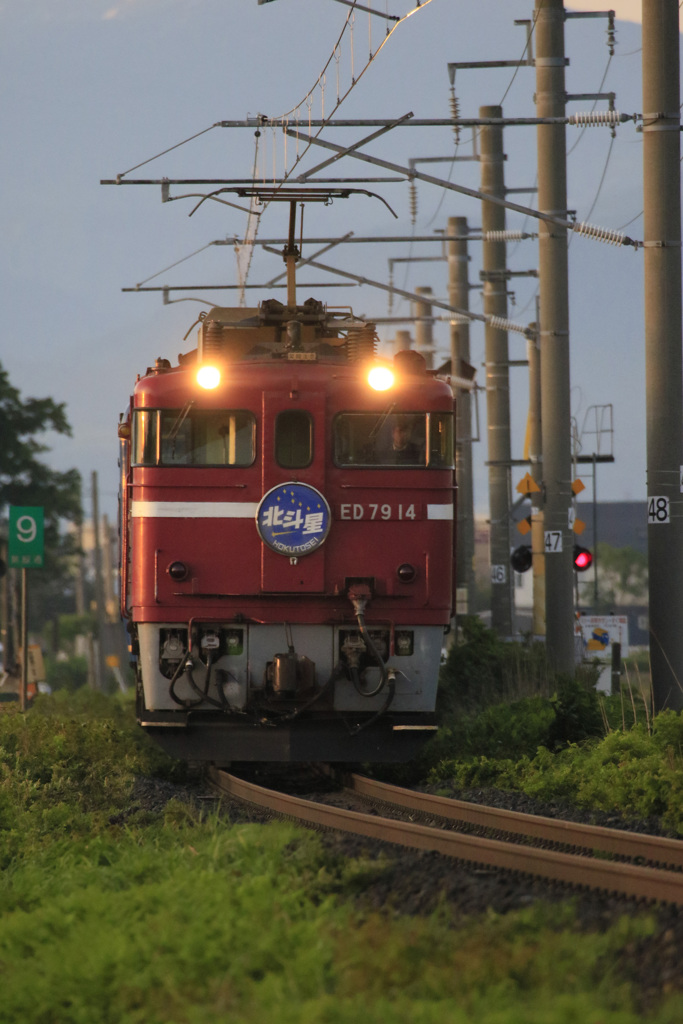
column 404, row 448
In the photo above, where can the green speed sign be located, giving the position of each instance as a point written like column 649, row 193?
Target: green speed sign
column 25, row 542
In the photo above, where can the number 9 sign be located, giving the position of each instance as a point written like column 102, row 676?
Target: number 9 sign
column 25, row 547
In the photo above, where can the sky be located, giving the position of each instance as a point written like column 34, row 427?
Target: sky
column 93, row 88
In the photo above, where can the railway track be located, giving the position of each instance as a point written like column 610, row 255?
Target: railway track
column 590, row 864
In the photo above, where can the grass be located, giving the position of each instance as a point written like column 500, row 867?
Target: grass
column 183, row 918
column 203, row 923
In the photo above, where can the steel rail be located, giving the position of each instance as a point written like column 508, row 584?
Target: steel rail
column 651, row 884
column 629, row 845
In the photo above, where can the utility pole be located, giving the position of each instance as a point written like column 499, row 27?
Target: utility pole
column 534, row 452
column 459, row 295
column 497, row 374
column 402, row 341
column 99, row 586
column 554, row 334
column 424, row 328
column 662, row 256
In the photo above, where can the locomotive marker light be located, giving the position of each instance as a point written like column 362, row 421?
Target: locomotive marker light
column 177, row 571
column 293, row 519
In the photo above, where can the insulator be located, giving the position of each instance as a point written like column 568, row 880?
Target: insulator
column 211, row 340
column 413, row 201
column 361, row 343
column 611, row 34
column 504, row 236
column 502, row 324
column 595, row 117
column 455, row 114
column 600, row 234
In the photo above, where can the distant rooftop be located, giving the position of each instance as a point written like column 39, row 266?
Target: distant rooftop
column 619, row 523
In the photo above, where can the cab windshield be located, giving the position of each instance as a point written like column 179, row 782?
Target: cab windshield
column 193, row 437
column 419, row 440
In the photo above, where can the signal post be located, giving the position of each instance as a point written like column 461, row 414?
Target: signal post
column 25, row 550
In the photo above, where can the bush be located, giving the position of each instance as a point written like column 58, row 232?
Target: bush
column 483, row 670
column 68, row 675
column 577, row 714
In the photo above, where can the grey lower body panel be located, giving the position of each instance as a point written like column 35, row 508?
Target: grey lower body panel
column 241, row 667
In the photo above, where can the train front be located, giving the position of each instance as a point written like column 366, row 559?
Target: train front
column 287, row 541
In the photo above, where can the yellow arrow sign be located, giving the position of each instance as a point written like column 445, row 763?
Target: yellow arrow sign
column 527, row 485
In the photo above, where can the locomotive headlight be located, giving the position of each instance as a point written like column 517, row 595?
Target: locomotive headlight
column 208, row 377
column 381, row 378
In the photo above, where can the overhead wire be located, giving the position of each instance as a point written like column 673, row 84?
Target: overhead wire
column 595, row 102
column 475, row 135
column 320, row 81
column 602, row 180
column 526, row 47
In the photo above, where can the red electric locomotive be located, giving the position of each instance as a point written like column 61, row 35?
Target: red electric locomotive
column 287, row 540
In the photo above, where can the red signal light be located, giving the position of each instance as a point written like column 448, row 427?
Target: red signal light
column 583, row 558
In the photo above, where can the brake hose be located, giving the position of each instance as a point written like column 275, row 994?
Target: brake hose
column 359, row 608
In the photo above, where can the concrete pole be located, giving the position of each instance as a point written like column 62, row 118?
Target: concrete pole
column 108, row 572
column 535, row 457
column 402, row 341
column 424, row 329
column 554, row 334
column 662, row 259
column 99, row 587
column 497, row 376
column 459, row 295
column 79, row 585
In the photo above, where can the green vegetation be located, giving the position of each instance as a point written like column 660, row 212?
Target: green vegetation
column 120, row 915
column 633, row 773
column 566, row 742
column 26, row 480
column 623, row 574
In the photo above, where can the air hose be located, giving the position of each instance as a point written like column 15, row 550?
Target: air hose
column 359, row 602
column 187, row 664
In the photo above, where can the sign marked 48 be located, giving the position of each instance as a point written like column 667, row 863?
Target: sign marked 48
column 658, row 510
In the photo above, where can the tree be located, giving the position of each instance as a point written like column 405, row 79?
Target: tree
column 26, row 480
column 623, row 575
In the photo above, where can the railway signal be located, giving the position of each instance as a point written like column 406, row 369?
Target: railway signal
column 583, row 558
column 520, row 559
